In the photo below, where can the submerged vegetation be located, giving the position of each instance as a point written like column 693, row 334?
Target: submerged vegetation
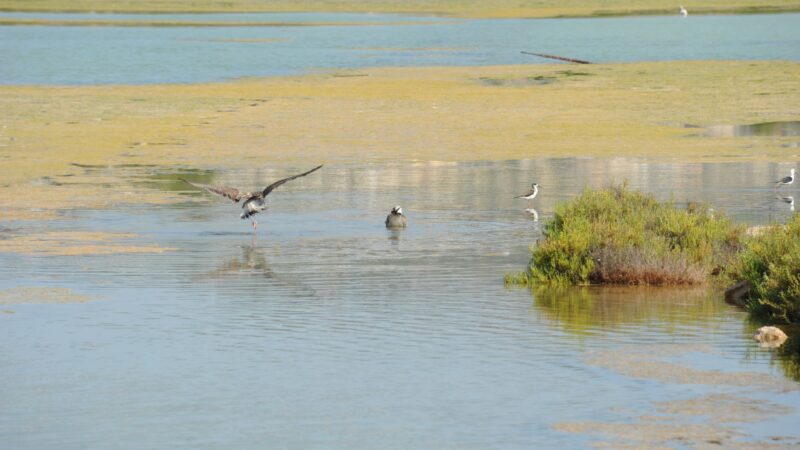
column 770, row 263
column 622, row 236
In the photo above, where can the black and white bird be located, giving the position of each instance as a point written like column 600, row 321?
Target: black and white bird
column 253, row 201
column 531, row 194
column 785, row 180
column 396, row 218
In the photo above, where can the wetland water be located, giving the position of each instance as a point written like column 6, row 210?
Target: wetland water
column 327, row 331
column 140, row 55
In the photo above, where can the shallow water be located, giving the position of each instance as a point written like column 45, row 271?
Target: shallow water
column 140, row 55
column 326, row 330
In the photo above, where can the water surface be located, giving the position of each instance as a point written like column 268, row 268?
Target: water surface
column 327, row 331
column 140, row 55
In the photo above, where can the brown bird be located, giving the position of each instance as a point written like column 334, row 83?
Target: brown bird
column 253, row 201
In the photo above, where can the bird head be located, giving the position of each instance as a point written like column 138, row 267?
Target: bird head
column 397, row 210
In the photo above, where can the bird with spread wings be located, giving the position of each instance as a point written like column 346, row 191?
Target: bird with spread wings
column 253, row 201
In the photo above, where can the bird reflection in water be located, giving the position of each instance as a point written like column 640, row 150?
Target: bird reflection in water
column 252, row 260
column 789, row 200
column 533, row 213
column 394, row 235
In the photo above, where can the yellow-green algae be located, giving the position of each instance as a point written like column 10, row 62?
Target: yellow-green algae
column 75, row 243
column 24, row 295
column 50, row 135
column 453, row 8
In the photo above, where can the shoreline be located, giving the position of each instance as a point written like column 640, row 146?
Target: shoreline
column 503, row 9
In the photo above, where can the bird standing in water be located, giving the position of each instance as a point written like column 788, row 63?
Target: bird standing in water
column 531, row 194
column 785, row 180
column 253, row 201
column 396, row 219
column 684, row 12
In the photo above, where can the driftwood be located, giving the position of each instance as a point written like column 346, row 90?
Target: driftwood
column 560, row 58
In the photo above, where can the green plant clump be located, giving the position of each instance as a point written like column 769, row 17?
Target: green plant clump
column 622, row 236
column 770, row 262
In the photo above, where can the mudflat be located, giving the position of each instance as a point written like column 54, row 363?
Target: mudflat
column 52, row 138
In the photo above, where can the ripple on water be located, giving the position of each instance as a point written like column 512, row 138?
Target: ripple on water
column 325, row 321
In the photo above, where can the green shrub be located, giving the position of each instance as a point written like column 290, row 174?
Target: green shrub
column 621, row 236
column 770, row 262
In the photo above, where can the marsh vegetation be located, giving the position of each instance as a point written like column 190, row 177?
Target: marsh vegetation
column 770, row 263
column 621, row 236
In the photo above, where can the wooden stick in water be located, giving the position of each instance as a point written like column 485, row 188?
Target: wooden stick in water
column 560, row 58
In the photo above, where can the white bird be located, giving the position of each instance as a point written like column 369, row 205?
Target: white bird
column 684, row 12
column 785, row 180
column 396, row 219
column 531, row 194
column 253, row 201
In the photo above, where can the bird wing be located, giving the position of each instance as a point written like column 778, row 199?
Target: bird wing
column 225, row 191
column 274, row 185
column 530, row 192
column 784, row 180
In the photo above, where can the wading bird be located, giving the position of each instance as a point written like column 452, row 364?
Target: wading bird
column 684, row 12
column 253, row 201
column 396, row 219
column 785, row 180
column 531, row 194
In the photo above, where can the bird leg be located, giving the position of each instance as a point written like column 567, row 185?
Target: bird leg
column 255, row 225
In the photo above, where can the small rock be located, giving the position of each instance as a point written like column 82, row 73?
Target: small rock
column 770, row 337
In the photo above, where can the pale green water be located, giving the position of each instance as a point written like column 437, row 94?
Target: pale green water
column 327, row 331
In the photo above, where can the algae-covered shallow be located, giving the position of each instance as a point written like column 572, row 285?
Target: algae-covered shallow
column 326, row 330
column 77, row 147
column 459, row 8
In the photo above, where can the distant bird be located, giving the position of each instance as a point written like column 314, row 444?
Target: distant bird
column 531, row 194
column 396, row 219
column 785, row 180
column 253, row 201
column 684, row 12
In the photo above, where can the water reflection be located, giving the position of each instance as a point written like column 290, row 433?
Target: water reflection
column 252, row 260
column 788, row 200
column 534, row 214
column 589, row 310
column 788, row 354
column 776, row 129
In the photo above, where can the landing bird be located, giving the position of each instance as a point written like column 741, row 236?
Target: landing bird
column 253, row 201
column 396, row 219
column 684, row 12
column 531, row 194
column 785, row 180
